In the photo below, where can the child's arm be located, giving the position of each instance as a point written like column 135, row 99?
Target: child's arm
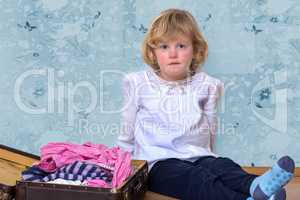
column 129, row 109
column 215, row 91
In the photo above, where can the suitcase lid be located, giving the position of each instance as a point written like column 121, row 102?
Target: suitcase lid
column 12, row 163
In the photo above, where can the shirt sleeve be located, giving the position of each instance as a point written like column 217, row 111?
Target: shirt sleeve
column 210, row 108
column 128, row 117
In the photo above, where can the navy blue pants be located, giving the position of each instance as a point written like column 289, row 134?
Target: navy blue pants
column 208, row 178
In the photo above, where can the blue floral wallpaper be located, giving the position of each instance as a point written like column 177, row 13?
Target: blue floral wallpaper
column 62, row 62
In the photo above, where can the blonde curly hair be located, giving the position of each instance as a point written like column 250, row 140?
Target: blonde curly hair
column 171, row 24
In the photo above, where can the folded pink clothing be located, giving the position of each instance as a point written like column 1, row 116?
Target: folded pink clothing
column 58, row 154
column 97, row 183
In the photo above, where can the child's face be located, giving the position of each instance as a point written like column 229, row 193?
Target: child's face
column 174, row 58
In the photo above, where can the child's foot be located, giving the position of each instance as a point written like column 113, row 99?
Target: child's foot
column 279, row 195
column 273, row 180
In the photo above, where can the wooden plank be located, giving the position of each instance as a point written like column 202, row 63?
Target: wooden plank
column 261, row 170
column 293, row 189
column 17, row 158
column 10, row 172
column 155, row 196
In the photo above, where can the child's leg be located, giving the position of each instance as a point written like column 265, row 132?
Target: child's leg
column 273, row 180
column 229, row 172
column 262, row 187
column 182, row 180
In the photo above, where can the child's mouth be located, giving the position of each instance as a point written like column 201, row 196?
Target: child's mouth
column 174, row 63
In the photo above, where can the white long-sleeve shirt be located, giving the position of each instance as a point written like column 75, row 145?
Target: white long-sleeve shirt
column 163, row 119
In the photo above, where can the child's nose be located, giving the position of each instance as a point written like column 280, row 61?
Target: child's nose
column 173, row 52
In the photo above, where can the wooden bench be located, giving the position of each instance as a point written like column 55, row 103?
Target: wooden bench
column 293, row 188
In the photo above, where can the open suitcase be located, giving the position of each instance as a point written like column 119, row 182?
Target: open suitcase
column 133, row 188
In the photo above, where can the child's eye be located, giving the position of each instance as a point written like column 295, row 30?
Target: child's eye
column 181, row 46
column 163, row 46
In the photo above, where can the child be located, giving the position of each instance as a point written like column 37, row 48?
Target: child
column 170, row 121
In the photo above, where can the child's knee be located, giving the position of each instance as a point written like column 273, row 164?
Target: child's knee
column 201, row 175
